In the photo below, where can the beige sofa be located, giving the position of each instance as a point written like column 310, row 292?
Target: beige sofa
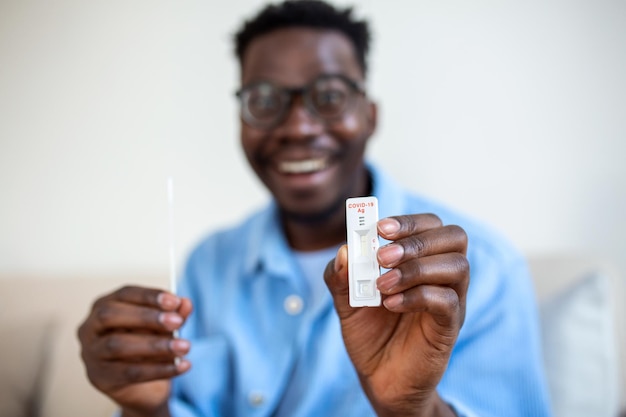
column 41, row 374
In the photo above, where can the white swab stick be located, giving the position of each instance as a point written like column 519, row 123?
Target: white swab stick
column 170, row 205
column 170, row 201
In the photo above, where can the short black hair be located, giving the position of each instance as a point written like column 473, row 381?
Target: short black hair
column 308, row 13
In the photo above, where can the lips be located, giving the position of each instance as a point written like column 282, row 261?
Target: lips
column 301, row 174
column 303, row 166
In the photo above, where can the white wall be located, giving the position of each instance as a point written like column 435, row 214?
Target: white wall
column 514, row 112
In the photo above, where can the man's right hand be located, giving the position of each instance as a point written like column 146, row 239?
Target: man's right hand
column 129, row 349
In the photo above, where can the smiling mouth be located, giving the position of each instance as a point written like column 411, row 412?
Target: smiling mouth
column 305, row 166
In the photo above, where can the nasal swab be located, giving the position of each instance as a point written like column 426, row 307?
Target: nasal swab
column 170, row 201
column 170, row 205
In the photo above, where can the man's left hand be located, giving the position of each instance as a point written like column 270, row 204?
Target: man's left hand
column 401, row 349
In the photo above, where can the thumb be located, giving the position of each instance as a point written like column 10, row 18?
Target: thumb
column 336, row 277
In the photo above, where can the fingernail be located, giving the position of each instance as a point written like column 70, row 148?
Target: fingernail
column 389, row 226
column 390, row 254
column 171, row 321
column 337, row 264
column 389, row 280
column 394, row 301
column 182, row 365
column 179, row 346
column 168, row 301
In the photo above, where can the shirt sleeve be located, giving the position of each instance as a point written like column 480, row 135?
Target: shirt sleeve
column 496, row 367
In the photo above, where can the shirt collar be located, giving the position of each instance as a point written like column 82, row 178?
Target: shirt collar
column 267, row 244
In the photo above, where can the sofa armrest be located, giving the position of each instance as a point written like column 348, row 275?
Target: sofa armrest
column 41, row 372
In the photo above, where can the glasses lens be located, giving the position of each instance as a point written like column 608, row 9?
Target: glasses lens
column 331, row 96
column 263, row 104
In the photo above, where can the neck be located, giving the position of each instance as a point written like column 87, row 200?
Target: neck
column 315, row 234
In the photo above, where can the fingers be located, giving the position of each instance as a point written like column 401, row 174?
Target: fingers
column 443, row 239
column 449, row 269
column 119, row 359
column 112, row 316
column 336, row 277
column 139, row 309
column 436, row 285
column 133, row 347
column 440, row 302
column 393, row 228
column 185, row 308
column 428, row 269
column 128, row 337
column 434, row 299
column 111, row 375
column 135, row 309
column 336, row 272
column 150, row 297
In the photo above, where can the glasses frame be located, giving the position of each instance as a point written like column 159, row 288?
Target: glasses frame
column 290, row 94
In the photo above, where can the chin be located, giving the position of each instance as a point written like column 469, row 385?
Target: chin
column 310, row 211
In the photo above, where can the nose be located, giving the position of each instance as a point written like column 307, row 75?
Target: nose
column 299, row 123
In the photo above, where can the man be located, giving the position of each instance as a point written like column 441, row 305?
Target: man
column 267, row 337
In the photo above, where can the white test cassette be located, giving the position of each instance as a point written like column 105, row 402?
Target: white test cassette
column 363, row 243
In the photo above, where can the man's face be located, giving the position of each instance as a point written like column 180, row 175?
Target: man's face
column 310, row 165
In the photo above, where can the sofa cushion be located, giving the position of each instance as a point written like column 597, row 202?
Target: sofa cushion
column 580, row 349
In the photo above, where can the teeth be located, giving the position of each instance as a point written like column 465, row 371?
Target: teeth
column 301, row 167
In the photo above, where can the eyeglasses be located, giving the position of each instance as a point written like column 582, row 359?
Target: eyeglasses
column 264, row 105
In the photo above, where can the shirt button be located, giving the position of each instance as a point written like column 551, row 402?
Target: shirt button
column 256, row 399
column 293, row 304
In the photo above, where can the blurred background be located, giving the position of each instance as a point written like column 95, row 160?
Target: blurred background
column 511, row 111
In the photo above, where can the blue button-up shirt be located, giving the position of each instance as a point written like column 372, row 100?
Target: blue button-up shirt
column 260, row 347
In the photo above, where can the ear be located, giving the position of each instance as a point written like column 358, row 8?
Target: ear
column 371, row 116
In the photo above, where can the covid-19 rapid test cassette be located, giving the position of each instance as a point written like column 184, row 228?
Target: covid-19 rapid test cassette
column 363, row 268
